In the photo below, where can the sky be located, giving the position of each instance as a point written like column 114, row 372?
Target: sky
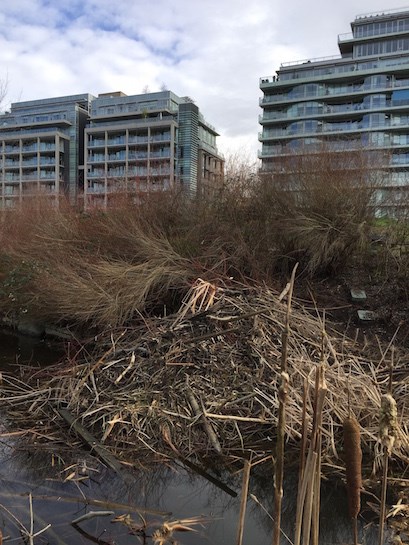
column 214, row 51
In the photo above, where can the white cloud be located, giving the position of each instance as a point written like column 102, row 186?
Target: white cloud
column 214, row 51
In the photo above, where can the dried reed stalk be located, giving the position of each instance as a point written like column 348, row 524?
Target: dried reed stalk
column 282, row 394
column 317, row 442
column 388, row 427
column 302, row 467
column 308, row 497
column 353, row 463
column 206, row 424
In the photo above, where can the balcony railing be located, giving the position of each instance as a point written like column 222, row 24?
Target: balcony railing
column 336, row 127
column 332, row 91
column 96, row 143
column 96, row 159
column 363, row 65
column 96, row 174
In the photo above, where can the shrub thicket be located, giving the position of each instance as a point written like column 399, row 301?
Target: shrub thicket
column 103, row 267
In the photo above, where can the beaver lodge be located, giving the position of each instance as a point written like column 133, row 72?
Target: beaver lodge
column 201, row 386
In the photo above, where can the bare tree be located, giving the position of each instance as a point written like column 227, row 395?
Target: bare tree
column 4, row 85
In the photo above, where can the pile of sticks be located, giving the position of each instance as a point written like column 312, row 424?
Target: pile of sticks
column 204, row 384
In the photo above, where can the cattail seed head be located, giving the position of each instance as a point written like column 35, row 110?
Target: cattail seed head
column 353, row 463
column 388, row 422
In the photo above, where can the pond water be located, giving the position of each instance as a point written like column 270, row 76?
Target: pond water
column 66, row 485
column 17, row 349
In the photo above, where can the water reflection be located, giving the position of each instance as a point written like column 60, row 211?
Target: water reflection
column 164, row 494
column 169, row 490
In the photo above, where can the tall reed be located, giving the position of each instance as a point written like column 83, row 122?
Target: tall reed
column 282, row 398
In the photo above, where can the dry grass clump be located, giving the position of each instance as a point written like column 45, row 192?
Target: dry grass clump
column 99, row 269
column 107, row 292
column 391, row 251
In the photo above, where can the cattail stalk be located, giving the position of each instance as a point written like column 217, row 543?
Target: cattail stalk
column 304, row 439
column 388, row 427
column 282, row 400
column 353, row 463
column 308, row 499
column 317, row 440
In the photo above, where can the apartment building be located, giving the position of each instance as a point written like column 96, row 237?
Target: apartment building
column 148, row 142
column 93, row 149
column 356, row 100
column 42, row 149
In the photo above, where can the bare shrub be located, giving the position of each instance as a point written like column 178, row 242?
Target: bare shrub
column 320, row 207
column 103, row 267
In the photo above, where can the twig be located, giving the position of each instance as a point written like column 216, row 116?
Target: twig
column 91, row 515
column 206, row 424
column 243, row 503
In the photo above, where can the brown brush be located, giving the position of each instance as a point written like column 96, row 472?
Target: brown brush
column 353, row 462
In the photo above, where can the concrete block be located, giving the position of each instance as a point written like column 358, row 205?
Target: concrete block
column 366, row 316
column 358, row 296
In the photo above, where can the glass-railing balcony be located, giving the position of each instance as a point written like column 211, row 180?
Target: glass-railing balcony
column 48, row 147
column 115, row 173
column 328, row 91
column 327, row 109
column 400, row 159
column 160, row 172
column 319, row 128
column 330, row 66
column 116, row 157
column 137, row 172
column 47, row 175
column 96, row 143
column 160, row 155
column 137, row 155
column 138, row 139
column 30, row 176
column 11, row 190
column 96, row 174
column 160, row 137
column 96, row 158
column 116, row 141
column 47, row 160
column 96, row 188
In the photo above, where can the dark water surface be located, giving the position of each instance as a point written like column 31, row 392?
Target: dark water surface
column 18, row 349
column 61, row 483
